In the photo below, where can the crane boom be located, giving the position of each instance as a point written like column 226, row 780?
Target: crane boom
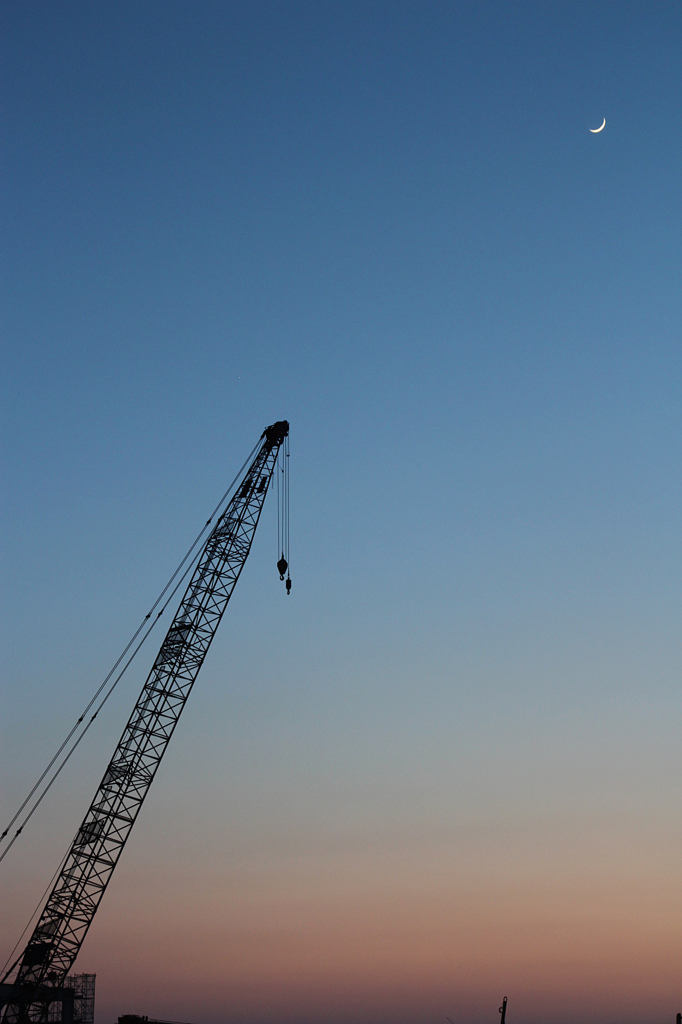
column 98, row 844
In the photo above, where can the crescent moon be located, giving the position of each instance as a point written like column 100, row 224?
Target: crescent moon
column 595, row 130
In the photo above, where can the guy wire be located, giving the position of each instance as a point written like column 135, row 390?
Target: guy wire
column 118, row 661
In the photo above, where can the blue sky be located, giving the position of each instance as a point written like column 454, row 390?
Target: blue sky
column 390, row 224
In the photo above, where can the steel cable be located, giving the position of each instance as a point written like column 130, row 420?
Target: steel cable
column 7, row 973
column 118, row 661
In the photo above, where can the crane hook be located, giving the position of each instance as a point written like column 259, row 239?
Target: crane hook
column 288, row 585
column 282, row 566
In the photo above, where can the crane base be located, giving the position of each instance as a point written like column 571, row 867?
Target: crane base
column 15, row 1001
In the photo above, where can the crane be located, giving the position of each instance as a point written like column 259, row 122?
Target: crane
column 98, row 844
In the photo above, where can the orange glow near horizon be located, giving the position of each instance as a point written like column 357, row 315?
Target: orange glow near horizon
column 319, row 943
column 446, row 767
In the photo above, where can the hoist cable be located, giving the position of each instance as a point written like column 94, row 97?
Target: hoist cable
column 6, row 971
column 74, row 745
column 284, row 505
column 280, row 550
column 118, row 661
column 286, row 463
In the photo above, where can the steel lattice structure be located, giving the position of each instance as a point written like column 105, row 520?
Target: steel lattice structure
column 95, row 851
column 83, row 987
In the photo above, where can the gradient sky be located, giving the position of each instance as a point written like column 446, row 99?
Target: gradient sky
column 448, row 768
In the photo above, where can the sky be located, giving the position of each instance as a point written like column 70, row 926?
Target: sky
column 447, row 768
